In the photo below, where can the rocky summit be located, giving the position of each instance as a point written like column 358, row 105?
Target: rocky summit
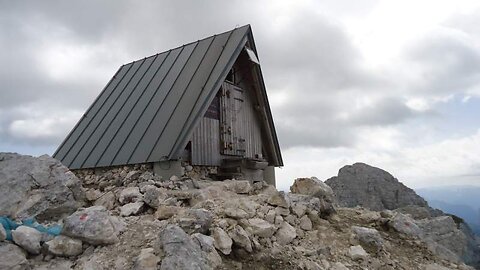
column 128, row 218
column 373, row 188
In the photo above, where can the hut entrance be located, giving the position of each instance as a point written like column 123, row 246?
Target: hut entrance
column 232, row 120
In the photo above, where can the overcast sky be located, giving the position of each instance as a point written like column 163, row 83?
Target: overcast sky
column 395, row 84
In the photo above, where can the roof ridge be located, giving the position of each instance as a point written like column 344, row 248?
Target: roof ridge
column 186, row 44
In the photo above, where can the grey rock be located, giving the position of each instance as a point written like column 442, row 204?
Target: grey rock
column 130, row 209
column 338, row 266
column 130, row 194
column 357, row 253
column 153, row 196
column 180, row 251
column 279, row 199
column 92, row 225
column 369, row 238
column 3, row 233
column 406, row 225
column 261, row 227
column 270, row 216
column 373, row 188
column 195, row 220
column 106, row 200
column 241, row 238
column 207, row 244
column 64, row 246
column 37, row 187
column 323, row 206
column 57, row 264
column 28, row 238
column 167, row 211
column 12, row 257
column 313, row 187
column 236, row 213
column 299, row 209
column 146, row 260
column 286, row 234
column 239, row 186
column 223, row 242
column 306, row 223
column 92, row 194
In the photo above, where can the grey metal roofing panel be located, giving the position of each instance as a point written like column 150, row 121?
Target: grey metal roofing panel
column 148, row 110
column 155, row 131
column 189, row 98
column 103, row 124
column 70, row 140
column 98, row 117
column 113, row 126
column 128, row 125
column 152, row 107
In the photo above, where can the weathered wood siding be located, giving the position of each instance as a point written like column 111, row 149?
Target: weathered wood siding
column 206, row 143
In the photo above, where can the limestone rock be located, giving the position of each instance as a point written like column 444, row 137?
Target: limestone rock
column 28, row 238
column 241, row 238
column 223, row 242
column 130, row 209
column 239, row 186
column 236, row 213
column 207, row 245
column 37, row 187
column 195, row 220
column 369, row 238
column 306, row 223
column 92, row 194
column 286, row 234
column 153, row 196
column 64, row 246
column 106, row 200
column 261, row 227
column 373, row 188
column 312, row 187
column 12, row 257
column 3, row 233
column 146, row 260
column 167, row 211
column 92, row 225
column 180, row 251
column 406, row 225
column 130, row 194
column 357, row 253
column 279, row 199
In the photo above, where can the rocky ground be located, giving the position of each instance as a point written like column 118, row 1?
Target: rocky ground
column 138, row 221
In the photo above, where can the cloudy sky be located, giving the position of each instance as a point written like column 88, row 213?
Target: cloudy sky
column 395, row 84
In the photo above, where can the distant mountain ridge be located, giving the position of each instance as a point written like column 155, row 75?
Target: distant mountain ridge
column 462, row 201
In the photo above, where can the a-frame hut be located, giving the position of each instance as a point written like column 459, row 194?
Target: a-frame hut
column 203, row 104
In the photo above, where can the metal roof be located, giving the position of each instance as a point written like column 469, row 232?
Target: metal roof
column 147, row 111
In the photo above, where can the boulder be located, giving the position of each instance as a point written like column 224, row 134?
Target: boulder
column 223, row 242
column 12, row 257
column 373, row 188
column 130, row 209
column 146, row 260
column 153, row 196
column 238, row 186
column 279, row 199
column 241, row 238
column 37, row 187
column 28, row 238
column 357, row 253
column 64, row 246
column 406, row 225
column 285, row 234
column 313, row 187
column 92, row 225
column 130, row 194
column 369, row 238
column 323, row 206
column 194, row 220
column 306, row 223
column 180, row 251
column 207, row 245
column 261, row 227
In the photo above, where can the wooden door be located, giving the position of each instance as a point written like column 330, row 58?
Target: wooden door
column 232, row 104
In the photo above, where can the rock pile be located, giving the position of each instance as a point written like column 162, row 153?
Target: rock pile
column 139, row 221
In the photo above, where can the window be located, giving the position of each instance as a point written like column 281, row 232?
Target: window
column 231, row 76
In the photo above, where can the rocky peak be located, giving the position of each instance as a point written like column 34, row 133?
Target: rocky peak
column 373, row 188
